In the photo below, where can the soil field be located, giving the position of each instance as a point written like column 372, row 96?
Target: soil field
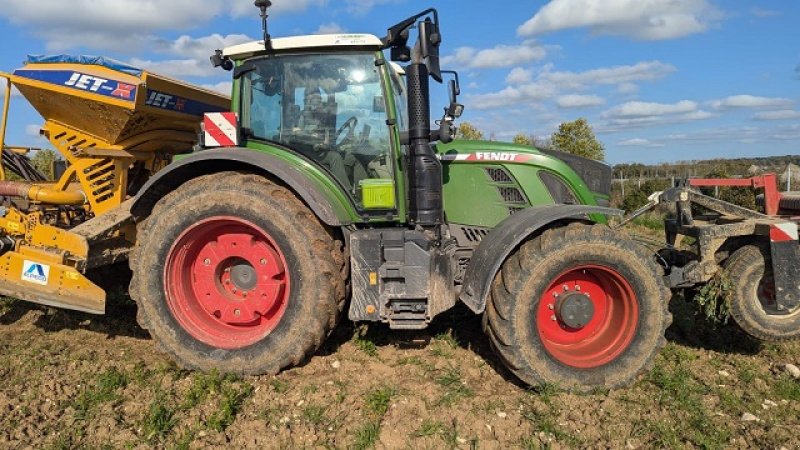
column 69, row 380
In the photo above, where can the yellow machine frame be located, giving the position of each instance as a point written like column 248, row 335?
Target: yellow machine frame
column 96, row 180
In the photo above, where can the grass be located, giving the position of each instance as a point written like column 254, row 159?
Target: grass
column 314, row 415
column 429, row 428
column 367, row 435
column 104, row 389
column 159, row 420
column 379, row 400
column 376, row 403
column 232, row 399
column 453, row 385
column 681, row 393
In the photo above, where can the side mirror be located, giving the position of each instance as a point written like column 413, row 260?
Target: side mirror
column 430, row 39
column 455, row 110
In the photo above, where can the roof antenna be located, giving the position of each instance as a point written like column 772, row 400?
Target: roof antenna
column 263, row 5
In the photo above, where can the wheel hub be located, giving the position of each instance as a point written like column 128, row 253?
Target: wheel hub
column 243, row 275
column 575, row 310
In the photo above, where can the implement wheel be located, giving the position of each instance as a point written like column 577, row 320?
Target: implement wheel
column 580, row 307
column 234, row 273
column 753, row 304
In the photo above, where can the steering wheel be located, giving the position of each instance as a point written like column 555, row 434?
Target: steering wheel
column 350, row 125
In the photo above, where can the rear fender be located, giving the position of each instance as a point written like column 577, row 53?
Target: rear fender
column 325, row 205
column 507, row 236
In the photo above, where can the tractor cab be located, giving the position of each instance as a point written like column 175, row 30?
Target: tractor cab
column 332, row 99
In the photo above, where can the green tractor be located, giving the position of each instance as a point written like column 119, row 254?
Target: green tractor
column 327, row 191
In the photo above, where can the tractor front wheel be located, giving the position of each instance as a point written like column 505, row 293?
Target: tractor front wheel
column 234, row 273
column 580, row 307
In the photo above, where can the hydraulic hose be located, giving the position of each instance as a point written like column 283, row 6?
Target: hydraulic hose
column 41, row 194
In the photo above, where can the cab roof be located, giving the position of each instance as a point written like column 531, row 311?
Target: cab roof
column 355, row 41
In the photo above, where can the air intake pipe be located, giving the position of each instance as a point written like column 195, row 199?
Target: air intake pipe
column 37, row 193
column 425, row 179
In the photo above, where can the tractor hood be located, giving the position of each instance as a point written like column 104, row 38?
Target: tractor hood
column 595, row 175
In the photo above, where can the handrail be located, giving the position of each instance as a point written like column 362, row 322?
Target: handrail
column 4, row 121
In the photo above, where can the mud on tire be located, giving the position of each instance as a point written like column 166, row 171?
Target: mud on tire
column 753, row 299
column 313, row 259
column 614, row 339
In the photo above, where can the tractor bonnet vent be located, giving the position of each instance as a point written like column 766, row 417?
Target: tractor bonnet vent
column 499, row 175
column 512, row 195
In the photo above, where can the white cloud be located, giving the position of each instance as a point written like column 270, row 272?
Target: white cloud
column 647, row 114
column 33, row 130
column 627, row 88
column 783, row 114
column 126, row 26
column 639, row 19
column 496, row 57
column 531, row 92
column 579, row 101
column 362, row 7
column 329, row 28
column 639, row 142
column 643, row 71
column 549, row 84
column 223, row 87
column 177, row 68
column 192, row 55
column 763, row 13
column 751, row 101
column 199, row 48
column 519, row 75
column 647, row 109
column 14, row 91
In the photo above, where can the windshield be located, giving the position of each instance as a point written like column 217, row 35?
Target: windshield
column 328, row 107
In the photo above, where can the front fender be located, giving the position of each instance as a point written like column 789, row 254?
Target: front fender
column 324, row 204
column 507, row 236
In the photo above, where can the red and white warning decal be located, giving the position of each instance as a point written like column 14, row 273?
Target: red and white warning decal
column 488, row 156
column 221, row 129
column 783, row 232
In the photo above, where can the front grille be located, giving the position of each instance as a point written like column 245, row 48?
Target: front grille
column 474, row 234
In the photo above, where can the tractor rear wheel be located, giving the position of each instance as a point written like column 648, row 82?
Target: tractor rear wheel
column 234, row 273
column 580, row 307
column 753, row 304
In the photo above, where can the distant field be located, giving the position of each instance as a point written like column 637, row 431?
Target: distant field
column 69, row 380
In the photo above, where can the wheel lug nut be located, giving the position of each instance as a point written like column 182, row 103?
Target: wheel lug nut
column 235, row 291
column 263, row 262
column 553, row 318
column 228, row 270
column 551, row 307
column 207, row 262
column 566, row 288
column 577, row 288
column 237, row 313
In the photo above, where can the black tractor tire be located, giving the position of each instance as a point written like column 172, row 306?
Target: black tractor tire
column 534, row 273
column 750, row 306
column 313, row 259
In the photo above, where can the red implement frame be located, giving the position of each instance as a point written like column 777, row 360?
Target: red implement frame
column 768, row 182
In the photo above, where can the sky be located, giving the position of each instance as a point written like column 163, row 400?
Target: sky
column 659, row 80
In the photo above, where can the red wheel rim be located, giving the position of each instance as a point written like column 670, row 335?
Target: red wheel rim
column 601, row 336
column 226, row 282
